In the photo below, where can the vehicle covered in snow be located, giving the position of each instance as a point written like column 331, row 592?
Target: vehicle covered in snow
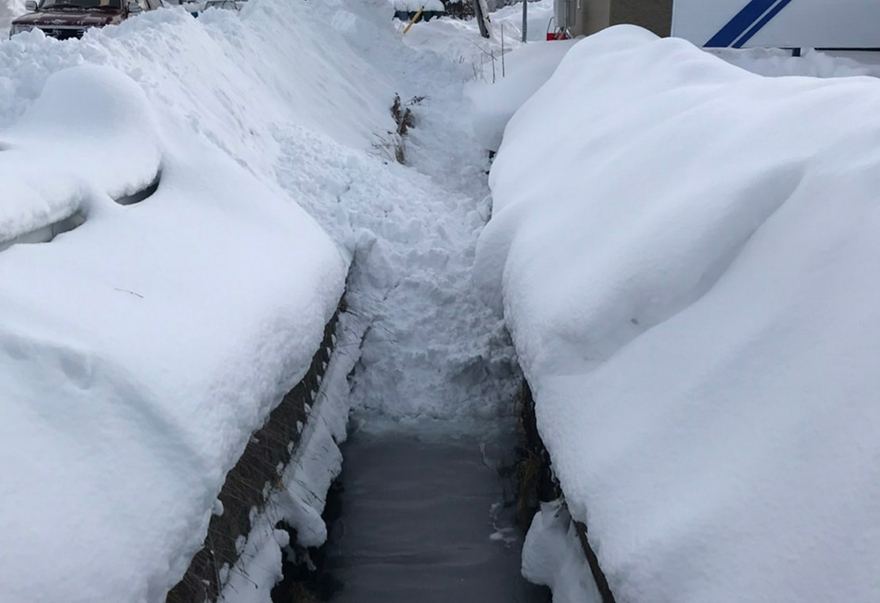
column 64, row 19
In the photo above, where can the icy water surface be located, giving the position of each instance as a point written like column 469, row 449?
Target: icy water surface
column 425, row 521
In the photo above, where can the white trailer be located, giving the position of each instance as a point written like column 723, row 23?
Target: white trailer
column 827, row 24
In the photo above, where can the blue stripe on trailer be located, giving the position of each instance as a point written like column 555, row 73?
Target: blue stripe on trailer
column 737, row 26
column 760, row 24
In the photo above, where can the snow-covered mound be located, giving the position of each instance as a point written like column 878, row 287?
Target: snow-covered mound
column 540, row 15
column 554, row 557
column 688, row 268
column 434, row 352
column 116, row 154
column 234, row 78
column 140, row 350
column 526, row 70
column 776, row 62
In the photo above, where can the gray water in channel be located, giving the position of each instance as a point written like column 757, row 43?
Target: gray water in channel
column 417, row 520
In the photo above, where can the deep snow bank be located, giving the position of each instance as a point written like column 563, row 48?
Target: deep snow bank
column 775, row 62
column 526, row 70
column 687, row 267
column 139, row 351
column 434, row 353
column 234, row 78
column 553, row 557
column 495, row 94
column 116, row 154
column 300, row 500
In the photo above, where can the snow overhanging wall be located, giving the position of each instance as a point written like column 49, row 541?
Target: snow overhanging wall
column 545, row 488
column 249, row 484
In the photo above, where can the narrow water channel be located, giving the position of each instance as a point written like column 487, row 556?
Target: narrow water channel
column 427, row 520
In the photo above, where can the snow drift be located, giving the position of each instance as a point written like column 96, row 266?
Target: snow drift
column 688, row 270
column 116, row 153
column 527, row 69
column 233, row 78
column 140, row 350
column 553, row 556
column 138, row 353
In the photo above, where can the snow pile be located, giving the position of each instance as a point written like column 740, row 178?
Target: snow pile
column 498, row 74
column 306, row 480
column 138, row 352
column 527, row 69
column 235, row 78
column 688, row 273
column 553, row 557
column 540, row 14
column 775, row 62
column 434, row 353
column 106, row 129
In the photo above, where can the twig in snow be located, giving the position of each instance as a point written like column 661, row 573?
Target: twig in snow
column 129, row 292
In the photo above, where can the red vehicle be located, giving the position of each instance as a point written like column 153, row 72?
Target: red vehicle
column 65, row 19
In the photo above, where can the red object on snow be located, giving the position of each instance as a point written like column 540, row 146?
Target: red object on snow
column 553, row 36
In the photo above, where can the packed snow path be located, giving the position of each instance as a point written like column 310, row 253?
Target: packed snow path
column 434, row 353
column 424, row 520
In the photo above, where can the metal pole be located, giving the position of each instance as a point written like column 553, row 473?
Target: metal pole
column 481, row 19
column 492, row 55
column 525, row 26
column 503, row 73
